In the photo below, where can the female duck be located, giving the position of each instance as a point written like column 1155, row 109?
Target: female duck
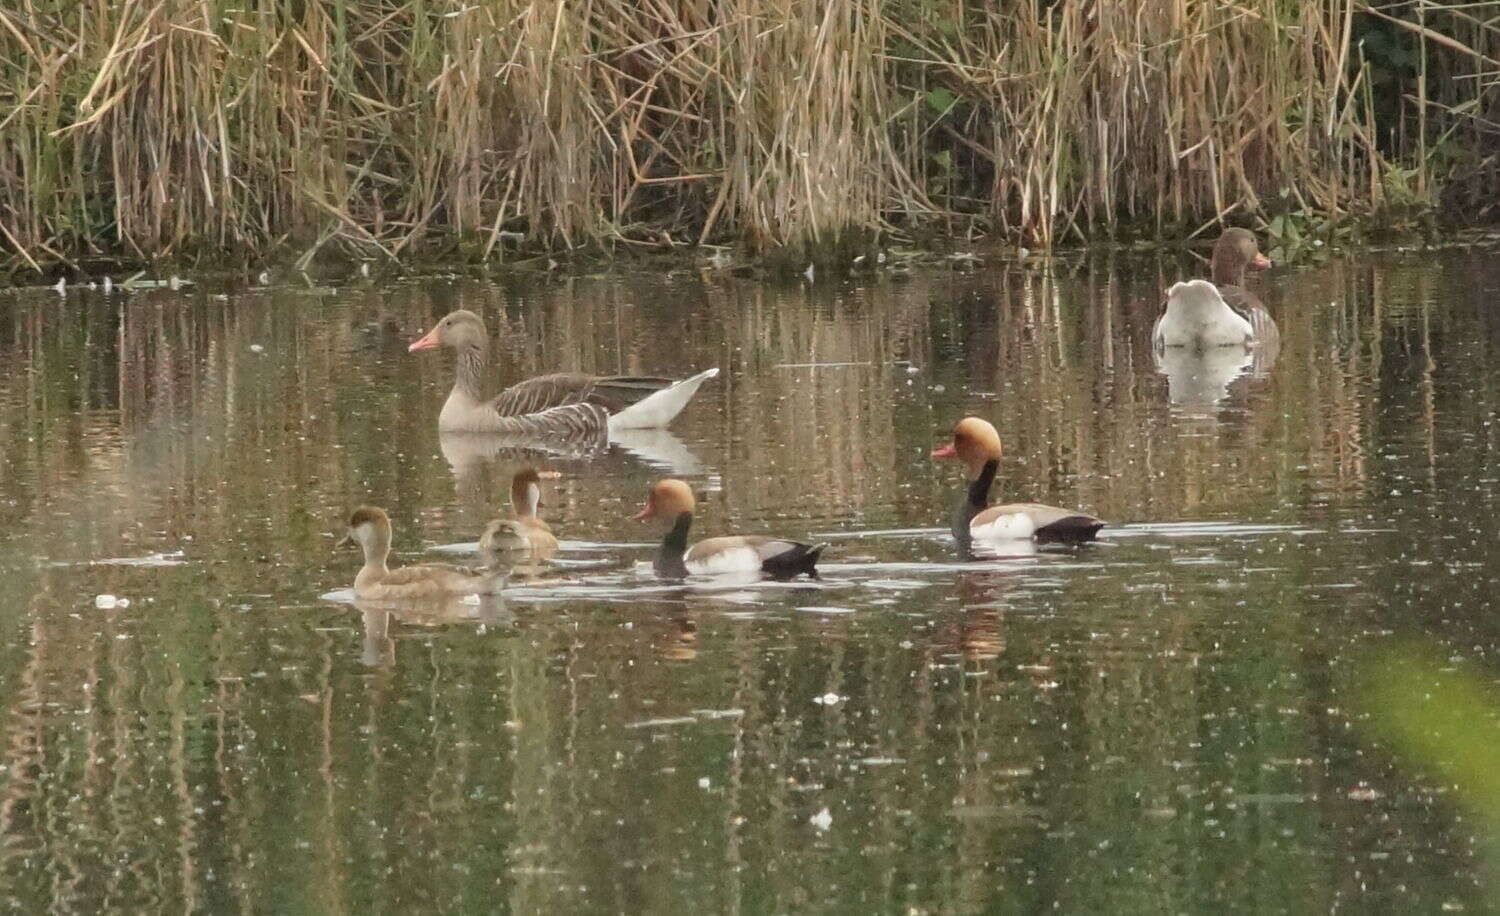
column 569, row 403
column 671, row 501
column 976, row 443
column 370, row 528
column 525, row 498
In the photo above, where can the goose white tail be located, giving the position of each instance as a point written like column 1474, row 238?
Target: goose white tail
column 1197, row 316
column 662, row 407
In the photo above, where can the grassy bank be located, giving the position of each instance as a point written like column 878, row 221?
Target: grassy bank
column 178, row 128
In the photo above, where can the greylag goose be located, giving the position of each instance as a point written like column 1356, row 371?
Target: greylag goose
column 1197, row 316
column 1234, row 252
column 976, row 443
column 370, row 528
column 564, row 402
column 671, row 502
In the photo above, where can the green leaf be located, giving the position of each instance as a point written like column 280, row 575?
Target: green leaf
column 940, row 100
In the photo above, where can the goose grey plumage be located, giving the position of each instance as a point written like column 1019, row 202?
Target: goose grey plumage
column 563, row 403
column 1234, row 253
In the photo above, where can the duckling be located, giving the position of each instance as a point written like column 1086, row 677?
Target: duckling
column 370, row 528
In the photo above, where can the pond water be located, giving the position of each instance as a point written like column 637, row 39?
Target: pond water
column 1161, row 722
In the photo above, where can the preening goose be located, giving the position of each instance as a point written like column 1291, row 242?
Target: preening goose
column 370, row 528
column 571, row 401
column 976, row 443
column 671, row 502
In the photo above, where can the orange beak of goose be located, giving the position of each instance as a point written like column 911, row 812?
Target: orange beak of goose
column 946, row 451
column 427, row 342
column 1261, row 262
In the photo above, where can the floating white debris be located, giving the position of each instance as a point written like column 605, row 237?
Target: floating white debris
column 821, row 821
column 828, row 699
column 810, row 272
column 704, row 782
column 263, row 278
column 665, row 720
column 257, row 348
column 364, row 269
column 109, row 285
column 105, row 602
column 61, row 287
column 825, row 609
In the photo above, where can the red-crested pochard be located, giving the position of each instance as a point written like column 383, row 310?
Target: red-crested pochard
column 1234, row 253
column 671, row 502
column 370, row 528
column 567, row 401
column 976, row 443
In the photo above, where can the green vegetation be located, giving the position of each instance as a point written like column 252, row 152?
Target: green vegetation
column 180, row 128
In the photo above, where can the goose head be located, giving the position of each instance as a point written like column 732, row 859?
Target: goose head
column 461, row 330
column 1234, row 252
column 975, row 443
column 669, row 500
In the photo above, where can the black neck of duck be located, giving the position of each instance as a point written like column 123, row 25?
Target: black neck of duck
column 469, row 369
column 974, row 500
column 673, row 546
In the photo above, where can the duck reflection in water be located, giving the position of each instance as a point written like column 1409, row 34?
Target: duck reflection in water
column 678, row 639
column 488, row 612
column 980, row 635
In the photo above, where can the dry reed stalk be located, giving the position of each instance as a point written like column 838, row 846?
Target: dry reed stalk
column 152, row 128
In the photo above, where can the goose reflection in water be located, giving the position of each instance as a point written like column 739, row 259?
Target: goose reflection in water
column 1201, row 377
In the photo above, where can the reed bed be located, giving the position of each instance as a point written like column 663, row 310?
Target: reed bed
column 150, row 129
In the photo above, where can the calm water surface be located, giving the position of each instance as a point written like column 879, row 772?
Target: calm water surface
column 1160, row 723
